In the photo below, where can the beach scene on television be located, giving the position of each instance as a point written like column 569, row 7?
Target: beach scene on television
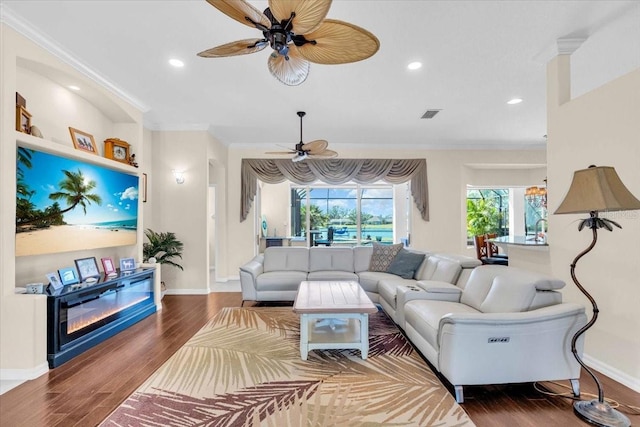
column 67, row 205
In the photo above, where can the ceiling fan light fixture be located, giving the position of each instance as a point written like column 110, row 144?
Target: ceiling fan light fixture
column 414, row 65
column 298, row 157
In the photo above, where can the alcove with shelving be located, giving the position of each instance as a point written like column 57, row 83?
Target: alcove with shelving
column 43, row 78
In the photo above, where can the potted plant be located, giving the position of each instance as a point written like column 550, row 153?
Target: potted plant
column 162, row 248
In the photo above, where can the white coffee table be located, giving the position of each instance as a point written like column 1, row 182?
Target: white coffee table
column 333, row 315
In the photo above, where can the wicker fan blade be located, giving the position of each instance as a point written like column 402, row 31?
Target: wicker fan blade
column 326, row 154
column 283, row 153
column 309, row 13
column 315, row 147
column 240, row 10
column 292, row 72
column 240, row 47
column 339, row 42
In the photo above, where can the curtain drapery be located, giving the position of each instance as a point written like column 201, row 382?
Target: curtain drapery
column 335, row 171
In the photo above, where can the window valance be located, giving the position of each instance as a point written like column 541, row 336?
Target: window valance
column 335, row 171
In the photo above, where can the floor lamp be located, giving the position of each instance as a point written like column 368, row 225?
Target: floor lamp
column 595, row 189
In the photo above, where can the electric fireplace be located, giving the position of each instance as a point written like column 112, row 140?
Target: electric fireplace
column 83, row 315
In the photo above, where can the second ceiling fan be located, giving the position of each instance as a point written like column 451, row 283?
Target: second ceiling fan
column 311, row 150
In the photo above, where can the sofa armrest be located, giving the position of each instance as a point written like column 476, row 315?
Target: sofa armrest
column 249, row 272
column 550, row 313
column 437, row 290
column 499, row 348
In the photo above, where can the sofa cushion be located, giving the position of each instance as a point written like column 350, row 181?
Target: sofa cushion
column 405, row 264
column 387, row 289
column 369, row 279
column 362, row 258
column 424, row 316
column 336, row 259
column 285, row 258
column 383, row 255
column 332, row 275
column 280, row 281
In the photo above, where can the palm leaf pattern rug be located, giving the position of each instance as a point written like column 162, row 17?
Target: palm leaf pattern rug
column 243, row 368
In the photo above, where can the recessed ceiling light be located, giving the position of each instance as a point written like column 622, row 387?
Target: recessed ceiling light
column 72, row 87
column 514, row 101
column 414, row 65
column 176, row 63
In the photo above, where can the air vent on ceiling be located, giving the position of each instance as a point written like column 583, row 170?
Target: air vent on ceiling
column 430, row 114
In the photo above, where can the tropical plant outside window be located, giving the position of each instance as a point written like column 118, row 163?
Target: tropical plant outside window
column 358, row 214
column 487, row 212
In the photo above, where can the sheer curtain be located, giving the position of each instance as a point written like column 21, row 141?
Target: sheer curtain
column 335, row 171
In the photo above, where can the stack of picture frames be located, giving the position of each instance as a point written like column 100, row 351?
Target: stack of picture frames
column 86, row 271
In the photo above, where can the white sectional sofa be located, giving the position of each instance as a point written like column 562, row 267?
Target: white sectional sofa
column 476, row 324
column 276, row 274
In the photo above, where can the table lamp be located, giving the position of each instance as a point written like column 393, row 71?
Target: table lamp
column 595, row 189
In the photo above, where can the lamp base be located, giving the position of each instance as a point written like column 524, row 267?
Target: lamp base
column 600, row 414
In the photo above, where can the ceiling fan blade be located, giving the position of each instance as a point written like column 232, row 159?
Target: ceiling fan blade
column 315, row 147
column 240, row 47
column 326, row 154
column 309, row 13
column 292, row 72
column 339, row 42
column 240, row 10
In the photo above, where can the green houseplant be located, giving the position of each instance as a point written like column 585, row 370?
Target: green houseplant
column 164, row 247
column 482, row 217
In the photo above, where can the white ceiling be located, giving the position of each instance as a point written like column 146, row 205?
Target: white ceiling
column 477, row 55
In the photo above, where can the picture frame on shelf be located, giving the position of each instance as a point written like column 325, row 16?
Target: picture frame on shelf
column 68, row 276
column 83, row 141
column 87, row 268
column 54, row 281
column 23, row 119
column 108, row 266
column 127, row 264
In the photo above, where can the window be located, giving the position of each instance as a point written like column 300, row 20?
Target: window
column 358, row 214
column 487, row 212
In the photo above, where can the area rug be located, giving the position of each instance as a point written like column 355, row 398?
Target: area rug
column 243, row 368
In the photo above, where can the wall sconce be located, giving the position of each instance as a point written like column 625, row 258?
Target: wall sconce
column 179, row 176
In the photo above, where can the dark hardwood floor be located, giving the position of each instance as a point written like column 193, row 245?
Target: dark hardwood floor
column 83, row 391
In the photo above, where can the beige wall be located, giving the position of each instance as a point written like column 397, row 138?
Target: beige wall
column 600, row 127
column 183, row 208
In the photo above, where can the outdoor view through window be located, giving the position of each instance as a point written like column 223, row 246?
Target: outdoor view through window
column 356, row 214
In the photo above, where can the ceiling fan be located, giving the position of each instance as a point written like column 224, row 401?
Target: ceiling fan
column 311, row 150
column 298, row 33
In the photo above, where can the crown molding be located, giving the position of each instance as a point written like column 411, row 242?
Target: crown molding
column 18, row 23
column 562, row 46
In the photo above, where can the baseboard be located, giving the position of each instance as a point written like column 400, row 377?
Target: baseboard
column 613, row 373
column 187, row 292
column 24, row 374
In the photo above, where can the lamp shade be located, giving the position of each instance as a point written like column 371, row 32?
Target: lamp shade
column 597, row 188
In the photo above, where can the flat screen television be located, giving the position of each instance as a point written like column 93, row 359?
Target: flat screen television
column 64, row 204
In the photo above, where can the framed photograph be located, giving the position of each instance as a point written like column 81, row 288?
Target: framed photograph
column 108, row 266
column 127, row 264
column 23, row 119
column 144, row 187
column 68, row 276
column 87, row 268
column 54, row 281
column 83, row 141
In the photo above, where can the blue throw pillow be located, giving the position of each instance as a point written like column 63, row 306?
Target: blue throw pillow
column 405, row 264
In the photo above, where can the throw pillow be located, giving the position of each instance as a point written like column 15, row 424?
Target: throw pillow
column 383, row 255
column 405, row 264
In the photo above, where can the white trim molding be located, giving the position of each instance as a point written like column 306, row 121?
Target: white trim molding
column 24, row 374
column 613, row 373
